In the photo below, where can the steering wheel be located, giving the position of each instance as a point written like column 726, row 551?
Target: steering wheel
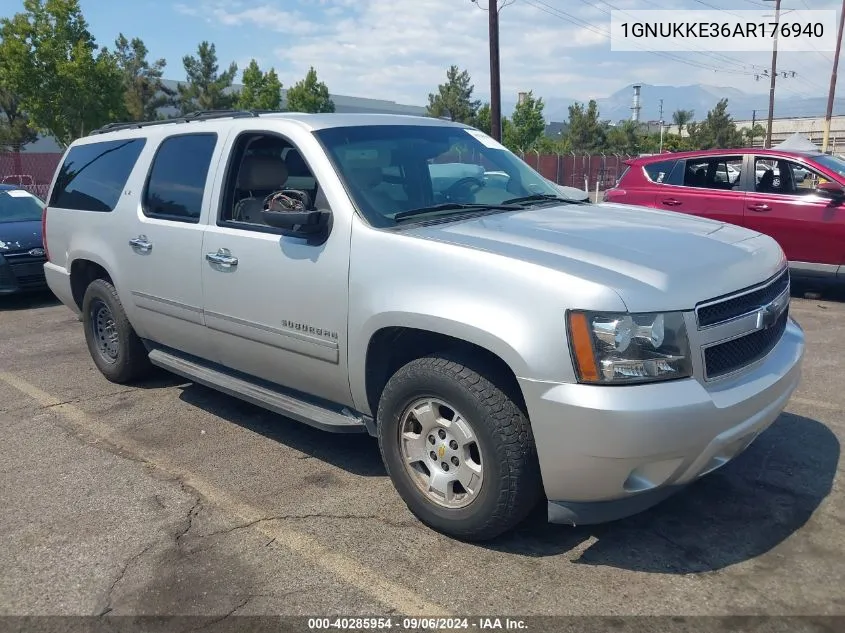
column 463, row 189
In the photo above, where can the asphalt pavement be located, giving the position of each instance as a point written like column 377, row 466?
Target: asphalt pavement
column 167, row 498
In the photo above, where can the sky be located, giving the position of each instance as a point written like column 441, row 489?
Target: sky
column 400, row 49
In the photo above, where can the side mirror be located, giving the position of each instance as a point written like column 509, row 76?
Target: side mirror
column 831, row 189
column 308, row 224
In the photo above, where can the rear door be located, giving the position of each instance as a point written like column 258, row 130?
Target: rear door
column 709, row 187
column 161, row 247
column 784, row 204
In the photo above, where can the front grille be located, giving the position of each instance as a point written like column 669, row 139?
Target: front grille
column 743, row 304
column 29, row 274
column 726, row 357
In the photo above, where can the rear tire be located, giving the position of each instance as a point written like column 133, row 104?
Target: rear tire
column 112, row 342
column 440, row 420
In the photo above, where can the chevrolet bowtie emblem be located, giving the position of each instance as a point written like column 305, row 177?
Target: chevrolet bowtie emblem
column 441, row 451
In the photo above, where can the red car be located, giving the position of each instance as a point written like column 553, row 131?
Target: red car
column 798, row 198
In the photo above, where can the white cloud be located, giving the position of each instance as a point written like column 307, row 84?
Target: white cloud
column 400, row 50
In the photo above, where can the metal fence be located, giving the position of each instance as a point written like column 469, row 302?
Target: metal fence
column 579, row 170
column 29, row 170
column 34, row 171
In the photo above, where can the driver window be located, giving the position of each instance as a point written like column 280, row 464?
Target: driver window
column 786, row 177
column 262, row 166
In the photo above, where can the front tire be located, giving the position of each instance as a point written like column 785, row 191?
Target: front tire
column 458, row 449
column 112, row 342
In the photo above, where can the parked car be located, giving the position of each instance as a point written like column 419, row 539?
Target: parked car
column 506, row 345
column 798, row 198
column 21, row 247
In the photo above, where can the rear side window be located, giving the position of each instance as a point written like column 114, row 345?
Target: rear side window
column 94, row 175
column 659, row 172
column 176, row 184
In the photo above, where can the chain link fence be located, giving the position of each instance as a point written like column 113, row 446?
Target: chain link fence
column 29, row 170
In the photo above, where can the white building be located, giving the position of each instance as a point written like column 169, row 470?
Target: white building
column 810, row 127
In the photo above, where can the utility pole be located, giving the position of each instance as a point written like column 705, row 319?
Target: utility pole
column 753, row 123
column 829, row 113
column 660, row 151
column 495, row 83
column 774, row 75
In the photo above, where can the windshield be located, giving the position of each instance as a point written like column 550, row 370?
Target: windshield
column 391, row 169
column 833, row 163
column 18, row 205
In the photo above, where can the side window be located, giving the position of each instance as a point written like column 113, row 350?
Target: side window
column 261, row 166
column 659, row 172
column 93, row 175
column 717, row 172
column 176, row 184
column 785, row 177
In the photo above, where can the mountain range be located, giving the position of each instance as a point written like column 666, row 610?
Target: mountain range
column 699, row 98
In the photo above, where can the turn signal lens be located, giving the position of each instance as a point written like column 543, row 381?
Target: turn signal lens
column 582, row 347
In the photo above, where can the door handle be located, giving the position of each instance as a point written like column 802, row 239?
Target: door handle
column 671, row 202
column 141, row 243
column 759, row 207
column 222, row 257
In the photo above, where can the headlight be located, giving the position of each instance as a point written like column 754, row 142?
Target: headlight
column 622, row 348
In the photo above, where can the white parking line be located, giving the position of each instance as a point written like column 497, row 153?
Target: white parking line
column 404, row 600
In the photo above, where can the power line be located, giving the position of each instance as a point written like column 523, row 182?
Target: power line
column 712, row 54
column 568, row 17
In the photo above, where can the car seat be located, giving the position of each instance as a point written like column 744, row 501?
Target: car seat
column 260, row 176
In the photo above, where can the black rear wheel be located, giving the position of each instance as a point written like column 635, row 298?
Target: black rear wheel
column 112, row 342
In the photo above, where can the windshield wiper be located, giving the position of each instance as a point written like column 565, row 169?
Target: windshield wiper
column 538, row 197
column 453, row 206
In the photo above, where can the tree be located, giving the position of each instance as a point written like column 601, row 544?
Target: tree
column 15, row 129
column 206, row 88
column 750, row 133
column 624, row 138
column 261, row 91
column 64, row 82
column 309, row 95
column 527, row 122
column 144, row 92
column 681, row 118
column 454, row 98
column 482, row 119
column 586, row 133
column 717, row 130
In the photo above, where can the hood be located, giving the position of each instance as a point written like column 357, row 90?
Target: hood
column 20, row 236
column 654, row 260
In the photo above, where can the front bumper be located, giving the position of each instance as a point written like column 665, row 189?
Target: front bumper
column 609, row 452
column 21, row 274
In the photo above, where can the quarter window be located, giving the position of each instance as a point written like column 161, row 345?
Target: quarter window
column 93, row 176
column 176, row 184
column 659, row 172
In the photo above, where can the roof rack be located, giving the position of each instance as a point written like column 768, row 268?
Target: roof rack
column 200, row 115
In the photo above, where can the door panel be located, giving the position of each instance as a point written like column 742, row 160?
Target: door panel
column 711, row 189
column 276, row 306
column 808, row 226
column 162, row 246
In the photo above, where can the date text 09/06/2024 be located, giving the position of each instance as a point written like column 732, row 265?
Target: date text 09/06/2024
column 416, row 623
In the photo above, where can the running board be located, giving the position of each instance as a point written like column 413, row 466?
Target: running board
column 322, row 417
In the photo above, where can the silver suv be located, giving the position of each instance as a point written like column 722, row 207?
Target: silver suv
column 506, row 345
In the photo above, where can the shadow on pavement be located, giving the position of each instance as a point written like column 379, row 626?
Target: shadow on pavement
column 355, row 453
column 28, row 301
column 737, row 513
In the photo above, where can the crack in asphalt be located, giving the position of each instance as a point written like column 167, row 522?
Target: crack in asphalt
column 192, row 512
column 121, row 576
column 214, row 621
